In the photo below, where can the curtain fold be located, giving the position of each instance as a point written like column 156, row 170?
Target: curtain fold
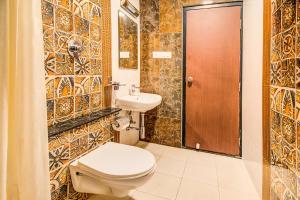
column 24, row 161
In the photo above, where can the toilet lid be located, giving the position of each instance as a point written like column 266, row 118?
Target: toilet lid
column 115, row 160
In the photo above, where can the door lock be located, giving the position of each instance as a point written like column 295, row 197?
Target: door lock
column 190, row 81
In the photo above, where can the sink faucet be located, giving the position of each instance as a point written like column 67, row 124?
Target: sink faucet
column 134, row 90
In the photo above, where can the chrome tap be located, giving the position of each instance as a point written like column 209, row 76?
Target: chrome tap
column 134, row 90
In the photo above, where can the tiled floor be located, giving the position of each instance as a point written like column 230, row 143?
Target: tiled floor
column 189, row 175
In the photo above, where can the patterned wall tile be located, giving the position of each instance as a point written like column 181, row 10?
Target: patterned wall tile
column 276, row 4
column 81, row 26
column 48, row 36
column 49, row 63
column 289, row 130
column 297, row 106
column 170, row 16
column 64, row 108
column 73, row 195
column 68, row 81
column 96, row 67
column 63, row 20
column 78, row 147
column 96, row 101
column 60, row 194
column 288, row 14
column 276, row 99
column 81, row 8
column 95, row 14
column 288, row 43
column 276, row 22
column 50, row 111
column 82, row 85
column 84, row 67
column 64, row 86
column 82, row 105
column 95, row 50
column 95, row 33
column 287, row 74
column 276, row 52
column 50, row 87
column 64, row 64
column 59, row 156
column 95, row 84
column 61, row 41
column 149, row 16
column 59, row 178
column 288, row 103
column 47, row 13
column 65, row 3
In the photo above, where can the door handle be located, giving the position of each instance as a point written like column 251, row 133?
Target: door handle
column 190, row 81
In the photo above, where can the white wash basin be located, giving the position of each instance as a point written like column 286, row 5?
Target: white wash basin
column 141, row 103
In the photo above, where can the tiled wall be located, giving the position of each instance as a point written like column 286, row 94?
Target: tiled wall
column 285, row 100
column 67, row 147
column 75, row 89
column 161, row 30
column 72, row 89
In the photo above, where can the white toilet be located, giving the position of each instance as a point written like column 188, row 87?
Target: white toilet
column 112, row 169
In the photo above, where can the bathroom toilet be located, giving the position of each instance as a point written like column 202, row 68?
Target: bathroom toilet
column 112, row 169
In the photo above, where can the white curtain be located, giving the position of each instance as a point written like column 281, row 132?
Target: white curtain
column 23, row 128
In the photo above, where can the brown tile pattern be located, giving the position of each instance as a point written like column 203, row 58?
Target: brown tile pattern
column 68, row 146
column 68, row 82
column 73, row 89
column 285, row 101
column 128, row 41
column 161, row 30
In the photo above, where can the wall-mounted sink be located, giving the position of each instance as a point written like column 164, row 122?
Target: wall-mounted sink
column 141, row 103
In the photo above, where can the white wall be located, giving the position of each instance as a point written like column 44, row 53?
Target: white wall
column 252, row 90
column 124, row 76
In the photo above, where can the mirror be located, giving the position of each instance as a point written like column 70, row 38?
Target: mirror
column 128, row 42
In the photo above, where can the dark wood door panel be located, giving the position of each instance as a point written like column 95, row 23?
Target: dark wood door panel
column 213, row 62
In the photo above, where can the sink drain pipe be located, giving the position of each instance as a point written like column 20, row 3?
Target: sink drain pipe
column 142, row 126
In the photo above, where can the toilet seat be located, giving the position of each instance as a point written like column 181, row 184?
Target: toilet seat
column 117, row 161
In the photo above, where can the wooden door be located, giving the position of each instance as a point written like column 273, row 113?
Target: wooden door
column 213, row 61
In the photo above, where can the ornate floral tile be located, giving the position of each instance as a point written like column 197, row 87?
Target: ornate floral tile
column 47, row 13
column 288, row 43
column 64, row 64
column 82, row 105
column 81, row 26
column 82, row 85
column 64, row 108
column 288, row 14
column 64, row 86
column 63, row 20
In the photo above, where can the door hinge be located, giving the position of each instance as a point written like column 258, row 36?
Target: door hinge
column 239, row 87
column 241, row 24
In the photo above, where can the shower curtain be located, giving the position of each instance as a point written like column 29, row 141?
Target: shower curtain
column 23, row 128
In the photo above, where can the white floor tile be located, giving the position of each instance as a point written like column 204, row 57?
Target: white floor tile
column 170, row 166
column 145, row 196
column 202, row 173
column 156, row 149
column 162, row 185
column 235, row 195
column 177, row 153
column 194, row 190
column 233, row 175
column 201, row 158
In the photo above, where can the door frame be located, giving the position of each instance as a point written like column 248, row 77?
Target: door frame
column 208, row 6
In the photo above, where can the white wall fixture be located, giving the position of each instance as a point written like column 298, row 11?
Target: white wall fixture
column 124, row 54
column 162, row 54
